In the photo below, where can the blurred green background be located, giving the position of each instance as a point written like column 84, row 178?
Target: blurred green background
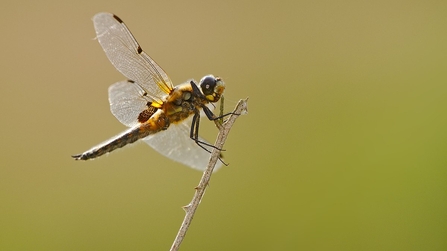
column 344, row 146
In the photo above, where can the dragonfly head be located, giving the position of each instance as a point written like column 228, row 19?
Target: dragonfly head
column 212, row 87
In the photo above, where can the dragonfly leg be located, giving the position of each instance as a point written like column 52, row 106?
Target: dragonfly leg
column 194, row 134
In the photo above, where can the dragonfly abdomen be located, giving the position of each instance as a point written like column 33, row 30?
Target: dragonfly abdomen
column 156, row 123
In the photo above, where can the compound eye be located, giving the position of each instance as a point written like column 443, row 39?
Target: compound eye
column 207, row 84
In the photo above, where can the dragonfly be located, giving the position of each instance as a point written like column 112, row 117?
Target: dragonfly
column 165, row 117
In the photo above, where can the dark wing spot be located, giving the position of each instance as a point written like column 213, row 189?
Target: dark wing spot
column 130, row 81
column 146, row 114
column 139, row 50
column 118, row 19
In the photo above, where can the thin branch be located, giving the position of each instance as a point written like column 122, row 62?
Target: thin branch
column 190, row 209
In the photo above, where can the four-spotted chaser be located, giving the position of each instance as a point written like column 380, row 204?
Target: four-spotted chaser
column 163, row 116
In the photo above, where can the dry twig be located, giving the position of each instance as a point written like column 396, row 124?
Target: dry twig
column 190, row 209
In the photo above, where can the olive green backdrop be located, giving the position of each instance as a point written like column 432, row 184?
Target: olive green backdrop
column 344, row 146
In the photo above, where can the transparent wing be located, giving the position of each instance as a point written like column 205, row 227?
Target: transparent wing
column 126, row 55
column 176, row 144
column 127, row 102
